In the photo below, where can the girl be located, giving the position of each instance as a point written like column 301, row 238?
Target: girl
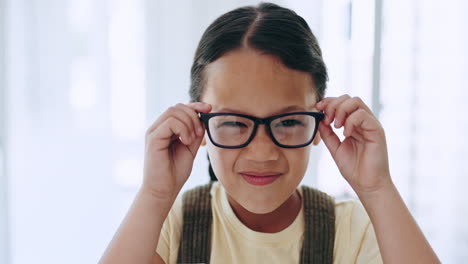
column 257, row 91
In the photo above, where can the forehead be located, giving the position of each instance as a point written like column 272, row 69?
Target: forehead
column 256, row 83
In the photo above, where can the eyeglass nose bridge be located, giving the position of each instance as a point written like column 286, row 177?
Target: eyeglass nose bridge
column 262, row 121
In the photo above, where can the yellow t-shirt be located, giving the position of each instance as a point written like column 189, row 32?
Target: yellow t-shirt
column 233, row 242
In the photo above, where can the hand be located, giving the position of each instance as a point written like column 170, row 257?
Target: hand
column 171, row 145
column 362, row 156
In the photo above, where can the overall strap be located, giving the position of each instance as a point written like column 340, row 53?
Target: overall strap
column 319, row 233
column 195, row 244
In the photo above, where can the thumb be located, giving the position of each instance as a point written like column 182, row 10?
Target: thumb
column 329, row 137
column 195, row 145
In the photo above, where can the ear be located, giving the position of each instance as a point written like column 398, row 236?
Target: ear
column 317, row 139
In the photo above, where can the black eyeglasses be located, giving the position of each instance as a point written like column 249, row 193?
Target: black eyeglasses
column 290, row 130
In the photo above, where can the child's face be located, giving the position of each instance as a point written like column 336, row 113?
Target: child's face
column 243, row 81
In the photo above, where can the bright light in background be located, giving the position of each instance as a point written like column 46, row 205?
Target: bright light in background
column 80, row 14
column 83, row 84
column 127, row 80
column 128, row 172
column 361, row 49
column 124, row 102
column 127, row 69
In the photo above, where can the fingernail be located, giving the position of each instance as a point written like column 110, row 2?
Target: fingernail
column 200, row 131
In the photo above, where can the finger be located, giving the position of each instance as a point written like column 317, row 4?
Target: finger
column 325, row 101
column 320, row 105
column 200, row 107
column 360, row 122
column 330, row 138
column 331, row 106
column 162, row 118
column 197, row 124
column 181, row 115
column 347, row 107
column 165, row 133
column 195, row 145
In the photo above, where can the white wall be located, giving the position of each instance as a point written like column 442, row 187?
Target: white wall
column 64, row 200
column 4, row 230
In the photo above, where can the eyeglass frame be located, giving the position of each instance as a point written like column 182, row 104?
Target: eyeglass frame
column 205, row 117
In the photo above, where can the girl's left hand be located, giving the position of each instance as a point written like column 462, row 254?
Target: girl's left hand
column 362, row 156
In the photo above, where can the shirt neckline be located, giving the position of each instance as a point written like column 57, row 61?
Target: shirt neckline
column 288, row 235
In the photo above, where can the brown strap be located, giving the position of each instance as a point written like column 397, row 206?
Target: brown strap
column 195, row 246
column 319, row 234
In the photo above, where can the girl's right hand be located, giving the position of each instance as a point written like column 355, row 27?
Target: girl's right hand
column 171, row 145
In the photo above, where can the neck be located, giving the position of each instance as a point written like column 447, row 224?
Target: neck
column 272, row 222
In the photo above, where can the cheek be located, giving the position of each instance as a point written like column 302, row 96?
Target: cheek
column 222, row 161
column 298, row 161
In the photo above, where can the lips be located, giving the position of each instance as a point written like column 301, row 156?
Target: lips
column 260, row 178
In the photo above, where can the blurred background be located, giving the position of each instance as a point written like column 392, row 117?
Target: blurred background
column 82, row 80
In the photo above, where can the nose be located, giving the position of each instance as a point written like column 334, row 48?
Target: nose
column 262, row 147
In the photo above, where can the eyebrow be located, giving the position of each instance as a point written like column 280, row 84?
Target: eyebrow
column 283, row 110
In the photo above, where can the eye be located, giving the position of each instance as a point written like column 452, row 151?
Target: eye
column 233, row 124
column 289, row 123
